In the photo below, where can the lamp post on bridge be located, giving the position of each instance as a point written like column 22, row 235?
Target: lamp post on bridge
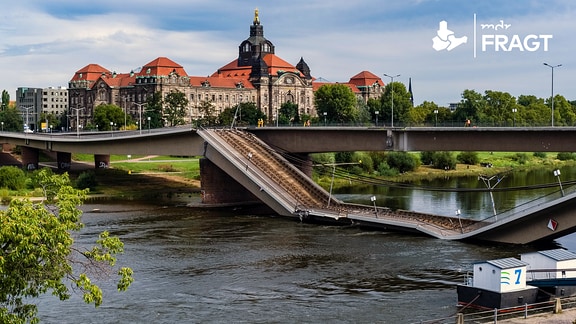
column 557, row 175
column 26, row 127
column 77, row 121
column 140, row 115
column 552, row 97
column 392, row 92
column 376, row 113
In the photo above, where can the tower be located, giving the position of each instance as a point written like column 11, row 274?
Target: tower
column 256, row 46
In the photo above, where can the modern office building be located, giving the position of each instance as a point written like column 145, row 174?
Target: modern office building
column 35, row 104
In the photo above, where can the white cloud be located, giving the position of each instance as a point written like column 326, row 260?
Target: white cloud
column 338, row 39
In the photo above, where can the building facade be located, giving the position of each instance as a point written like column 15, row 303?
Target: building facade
column 257, row 75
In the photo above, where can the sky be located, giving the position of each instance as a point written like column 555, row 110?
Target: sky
column 43, row 43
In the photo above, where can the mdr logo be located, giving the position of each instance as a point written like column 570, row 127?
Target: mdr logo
column 490, row 37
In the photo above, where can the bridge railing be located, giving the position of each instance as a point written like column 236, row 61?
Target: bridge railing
column 546, row 309
column 522, row 208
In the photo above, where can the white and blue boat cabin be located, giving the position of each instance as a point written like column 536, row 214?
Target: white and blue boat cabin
column 498, row 284
column 554, row 271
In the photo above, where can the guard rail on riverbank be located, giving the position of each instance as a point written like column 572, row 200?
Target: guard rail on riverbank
column 543, row 311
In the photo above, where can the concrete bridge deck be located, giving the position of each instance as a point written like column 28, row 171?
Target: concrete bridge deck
column 250, row 160
column 276, row 182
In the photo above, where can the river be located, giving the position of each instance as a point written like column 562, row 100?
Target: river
column 215, row 266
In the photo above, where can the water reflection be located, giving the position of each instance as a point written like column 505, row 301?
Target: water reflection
column 473, row 205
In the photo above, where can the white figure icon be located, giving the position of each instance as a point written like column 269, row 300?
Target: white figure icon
column 445, row 39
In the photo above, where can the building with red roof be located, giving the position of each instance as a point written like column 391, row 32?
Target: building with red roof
column 257, row 75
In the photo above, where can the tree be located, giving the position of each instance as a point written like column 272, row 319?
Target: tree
column 153, row 112
column 563, row 112
column 12, row 120
column 470, row 106
column 105, row 114
column 246, row 114
column 288, row 114
column 175, row 105
column 208, row 115
column 5, row 100
column 402, row 102
column 37, row 253
column 498, row 109
column 337, row 101
column 532, row 111
column 375, row 105
column 52, row 120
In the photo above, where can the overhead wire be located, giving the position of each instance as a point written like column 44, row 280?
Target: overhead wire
column 343, row 173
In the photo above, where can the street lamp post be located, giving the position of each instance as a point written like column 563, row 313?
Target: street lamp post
column 552, row 97
column 77, row 121
column 2, row 126
column 148, row 124
column 125, row 111
column 514, row 110
column 376, row 113
column 436, row 117
column 140, row 114
column 392, row 91
column 325, row 114
column 112, row 128
column 27, row 113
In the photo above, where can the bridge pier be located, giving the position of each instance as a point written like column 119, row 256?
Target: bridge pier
column 64, row 160
column 220, row 188
column 101, row 161
column 30, row 157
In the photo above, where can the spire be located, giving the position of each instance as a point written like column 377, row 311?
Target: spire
column 255, row 46
column 410, row 91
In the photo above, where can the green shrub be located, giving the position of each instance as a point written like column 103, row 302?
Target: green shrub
column 12, row 177
column 86, row 180
column 5, row 196
column 565, row 156
column 541, row 155
column 401, row 161
column 470, row 158
column 386, row 171
column 426, row 157
column 521, row 158
column 443, row 160
column 343, row 157
column 365, row 161
column 323, row 158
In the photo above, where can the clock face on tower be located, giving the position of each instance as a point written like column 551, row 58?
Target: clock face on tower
column 289, row 80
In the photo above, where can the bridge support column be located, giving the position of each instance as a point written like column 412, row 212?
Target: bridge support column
column 101, row 161
column 64, row 160
column 30, row 158
column 219, row 188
